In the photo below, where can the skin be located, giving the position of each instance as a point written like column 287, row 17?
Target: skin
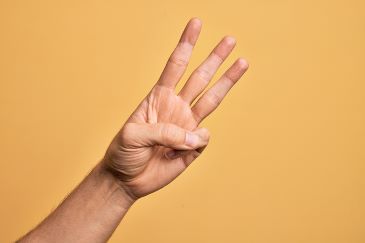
column 158, row 142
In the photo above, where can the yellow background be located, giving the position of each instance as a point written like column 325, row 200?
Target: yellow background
column 286, row 158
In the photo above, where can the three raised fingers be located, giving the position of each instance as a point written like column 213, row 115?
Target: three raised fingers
column 199, row 79
column 210, row 100
column 179, row 59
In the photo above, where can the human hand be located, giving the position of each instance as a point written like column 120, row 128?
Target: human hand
column 161, row 138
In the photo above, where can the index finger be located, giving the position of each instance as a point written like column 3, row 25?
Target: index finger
column 179, row 59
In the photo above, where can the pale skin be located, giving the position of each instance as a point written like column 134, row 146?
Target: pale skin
column 158, row 142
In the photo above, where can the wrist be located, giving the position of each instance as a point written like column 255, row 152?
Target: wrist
column 120, row 192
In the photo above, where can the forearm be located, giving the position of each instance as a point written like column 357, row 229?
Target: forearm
column 89, row 214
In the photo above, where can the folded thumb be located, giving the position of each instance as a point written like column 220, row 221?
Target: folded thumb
column 165, row 134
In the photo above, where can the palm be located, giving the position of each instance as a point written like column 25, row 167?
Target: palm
column 162, row 105
column 145, row 168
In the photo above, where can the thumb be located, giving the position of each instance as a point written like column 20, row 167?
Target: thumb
column 165, row 134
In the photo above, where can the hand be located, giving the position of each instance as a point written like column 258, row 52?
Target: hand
column 161, row 138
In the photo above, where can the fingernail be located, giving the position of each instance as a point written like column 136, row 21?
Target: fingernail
column 191, row 139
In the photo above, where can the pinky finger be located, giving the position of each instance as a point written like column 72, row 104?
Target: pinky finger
column 211, row 99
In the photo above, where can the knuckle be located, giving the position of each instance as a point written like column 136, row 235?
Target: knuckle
column 165, row 132
column 213, row 98
column 197, row 115
column 203, row 74
column 217, row 57
column 230, row 78
column 169, row 134
column 178, row 60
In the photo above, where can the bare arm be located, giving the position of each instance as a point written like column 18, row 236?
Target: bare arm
column 156, row 144
column 89, row 214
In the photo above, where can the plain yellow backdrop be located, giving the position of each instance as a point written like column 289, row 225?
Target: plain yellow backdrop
column 286, row 162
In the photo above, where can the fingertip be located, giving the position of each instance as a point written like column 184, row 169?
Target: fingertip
column 242, row 63
column 238, row 68
column 203, row 133
column 230, row 40
column 195, row 21
column 197, row 138
column 192, row 31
